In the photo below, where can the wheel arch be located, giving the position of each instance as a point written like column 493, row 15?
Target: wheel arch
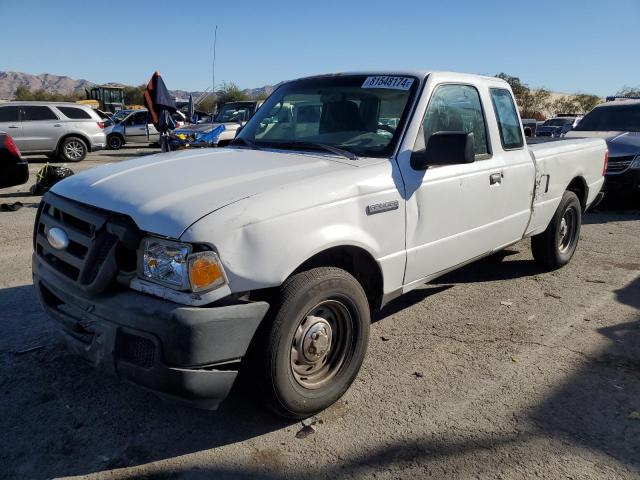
column 578, row 185
column 116, row 134
column 355, row 260
column 81, row 136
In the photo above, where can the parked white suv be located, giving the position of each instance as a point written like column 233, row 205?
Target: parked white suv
column 65, row 130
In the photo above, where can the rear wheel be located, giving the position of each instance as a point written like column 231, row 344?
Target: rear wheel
column 315, row 345
column 554, row 247
column 72, row 149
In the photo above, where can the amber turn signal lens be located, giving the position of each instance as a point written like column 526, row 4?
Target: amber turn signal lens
column 205, row 271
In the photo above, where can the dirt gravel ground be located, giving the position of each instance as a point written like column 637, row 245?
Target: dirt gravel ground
column 500, row 370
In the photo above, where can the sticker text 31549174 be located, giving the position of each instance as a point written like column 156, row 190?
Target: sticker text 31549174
column 383, row 81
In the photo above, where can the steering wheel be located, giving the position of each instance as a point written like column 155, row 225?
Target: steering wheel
column 386, row 128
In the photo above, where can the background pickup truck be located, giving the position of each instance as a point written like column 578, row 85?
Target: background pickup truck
column 232, row 117
column 342, row 192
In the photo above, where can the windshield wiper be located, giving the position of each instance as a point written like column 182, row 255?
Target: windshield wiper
column 248, row 143
column 329, row 148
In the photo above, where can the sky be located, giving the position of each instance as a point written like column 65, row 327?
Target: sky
column 563, row 45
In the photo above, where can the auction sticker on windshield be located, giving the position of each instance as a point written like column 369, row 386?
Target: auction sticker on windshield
column 383, row 81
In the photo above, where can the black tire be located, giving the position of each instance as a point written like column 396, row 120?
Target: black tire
column 72, row 149
column 308, row 302
column 115, row 142
column 554, row 247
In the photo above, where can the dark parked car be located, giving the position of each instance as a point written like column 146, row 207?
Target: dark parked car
column 618, row 122
column 13, row 169
column 530, row 126
column 555, row 127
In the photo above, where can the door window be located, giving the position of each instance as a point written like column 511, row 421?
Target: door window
column 138, row 118
column 37, row 112
column 508, row 120
column 9, row 114
column 456, row 108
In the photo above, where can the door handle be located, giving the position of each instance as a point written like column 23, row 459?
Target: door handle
column 57, row 125
column 495, row 178
column 13, row 126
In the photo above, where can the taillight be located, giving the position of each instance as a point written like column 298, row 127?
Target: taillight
column 606, row 160
column 11, row 145
column 100, row 124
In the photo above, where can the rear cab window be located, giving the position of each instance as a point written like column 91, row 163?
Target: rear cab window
column 508, row 120
column 37, row 112
column 74, row 113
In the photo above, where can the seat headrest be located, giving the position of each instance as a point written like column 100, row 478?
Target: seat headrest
column 340, row 116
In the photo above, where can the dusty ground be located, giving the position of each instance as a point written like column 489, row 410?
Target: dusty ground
column 456, row 384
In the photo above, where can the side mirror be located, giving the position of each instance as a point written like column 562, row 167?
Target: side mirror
column 444, row 148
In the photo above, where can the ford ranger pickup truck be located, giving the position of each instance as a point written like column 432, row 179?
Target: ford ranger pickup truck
column 179, row 270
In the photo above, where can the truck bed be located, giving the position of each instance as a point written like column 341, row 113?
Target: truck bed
column 558, row 163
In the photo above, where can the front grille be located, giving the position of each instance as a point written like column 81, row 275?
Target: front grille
column 89, row 258
column 135, row 349
column 619, row 164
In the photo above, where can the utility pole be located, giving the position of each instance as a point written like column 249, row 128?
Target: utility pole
column 213, row 64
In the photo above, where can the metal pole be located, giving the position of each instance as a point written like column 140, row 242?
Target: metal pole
column 213, row 65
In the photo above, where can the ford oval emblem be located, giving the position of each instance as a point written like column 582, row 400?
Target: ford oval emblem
column 58, row 238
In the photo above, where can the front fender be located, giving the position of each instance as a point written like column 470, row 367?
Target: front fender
column 261, row 248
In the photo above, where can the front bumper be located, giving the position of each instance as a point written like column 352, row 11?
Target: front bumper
column 187, row 354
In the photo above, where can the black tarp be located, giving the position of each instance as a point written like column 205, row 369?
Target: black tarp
column 160, row 105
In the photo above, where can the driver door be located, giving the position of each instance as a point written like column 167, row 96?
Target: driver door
column 455, row 213
column 136, row 128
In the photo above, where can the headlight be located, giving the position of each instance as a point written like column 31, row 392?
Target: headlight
column 165, row 262
column 173, row 264
column 635, row 165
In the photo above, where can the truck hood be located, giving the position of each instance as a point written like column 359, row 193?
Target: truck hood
column 620, row 144
column 166, row 193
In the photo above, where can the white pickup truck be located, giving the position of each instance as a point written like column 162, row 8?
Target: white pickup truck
column 343, row 192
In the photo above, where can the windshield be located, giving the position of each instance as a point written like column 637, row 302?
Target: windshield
column 234, row 113
column 120, row 115
column 361, row 114
column 622, row 118
column 558, row 122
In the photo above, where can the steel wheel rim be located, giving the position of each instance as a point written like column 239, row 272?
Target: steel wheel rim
column 74, row 150
column 315, row 361
column 568, row 229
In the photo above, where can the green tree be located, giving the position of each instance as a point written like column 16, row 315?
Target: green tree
column 534, row 102
column 230, row 92
column 23, row 93
column 628, row 92
column 586, row 102
column 134, row 95
column 565, row 104
column 517, row 86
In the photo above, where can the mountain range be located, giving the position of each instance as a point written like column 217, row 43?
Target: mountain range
column 9, row 81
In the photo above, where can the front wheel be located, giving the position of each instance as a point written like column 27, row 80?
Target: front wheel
column 554, row 247
column 115, row 142
column 313, row 349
